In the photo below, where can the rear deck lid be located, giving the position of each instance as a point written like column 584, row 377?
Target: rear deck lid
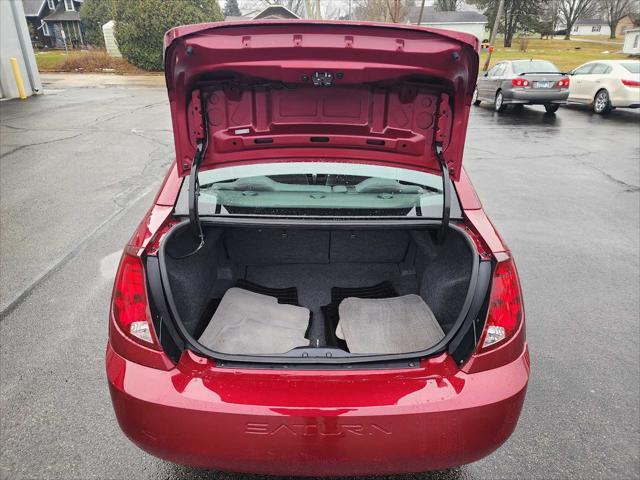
column 277, row 91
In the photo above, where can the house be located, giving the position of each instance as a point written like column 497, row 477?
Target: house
column 276, row 12
column 466, row 21
column 591, row 26
column 627, row 22
column 631, row 41
column 54, row 22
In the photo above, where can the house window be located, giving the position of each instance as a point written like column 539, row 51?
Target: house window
column 45, row 28
column 51, row 4
column 575, row 29
column 635, row 41
column 68, row 5
column 595, row 28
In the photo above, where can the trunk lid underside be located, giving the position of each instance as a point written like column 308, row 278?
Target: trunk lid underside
column 309, row 91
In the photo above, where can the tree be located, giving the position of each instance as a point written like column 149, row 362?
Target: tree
column 447, row 5
column 614, row 11
column 571, row 10
column 231, row 9
column 141, row 25
column 394, row 11
column 94, row 14
column 519, row 15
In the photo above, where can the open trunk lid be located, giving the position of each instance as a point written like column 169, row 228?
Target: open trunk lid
column 276, row 91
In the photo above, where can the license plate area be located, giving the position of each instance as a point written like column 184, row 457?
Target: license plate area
column 542, row 84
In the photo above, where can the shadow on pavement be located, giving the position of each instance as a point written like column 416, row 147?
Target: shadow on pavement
column 181, row 472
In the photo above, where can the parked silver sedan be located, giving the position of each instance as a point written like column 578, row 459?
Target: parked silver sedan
column 523, row 82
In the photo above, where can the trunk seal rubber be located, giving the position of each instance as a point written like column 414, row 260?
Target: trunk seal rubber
column 200, row 349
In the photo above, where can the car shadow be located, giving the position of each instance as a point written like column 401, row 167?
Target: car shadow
column 190, row 473
column 619, row 115
column 514, row 116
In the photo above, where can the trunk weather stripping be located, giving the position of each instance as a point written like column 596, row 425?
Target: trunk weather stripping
column 202, row 142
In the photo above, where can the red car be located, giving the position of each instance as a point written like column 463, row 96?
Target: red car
column 316, row 289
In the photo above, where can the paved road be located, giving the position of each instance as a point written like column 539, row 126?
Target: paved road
column 79, row 167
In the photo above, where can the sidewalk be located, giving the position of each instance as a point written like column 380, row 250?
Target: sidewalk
column 55, row 81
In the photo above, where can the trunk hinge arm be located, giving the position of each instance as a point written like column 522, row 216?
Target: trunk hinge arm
column 194, row 185
column 446, row 193
column 438, row 143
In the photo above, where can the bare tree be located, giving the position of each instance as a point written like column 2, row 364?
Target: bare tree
column 447, row 5
column 614, row 11
column 571, row 10
column 381, row 10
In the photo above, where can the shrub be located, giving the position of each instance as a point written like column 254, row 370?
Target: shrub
column 94, row 14
column 95, row 61
column 141, row 25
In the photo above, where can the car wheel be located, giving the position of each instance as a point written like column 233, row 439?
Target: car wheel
column 601, row 102
column 475, row 100
column 551, row 107
column 499, row 105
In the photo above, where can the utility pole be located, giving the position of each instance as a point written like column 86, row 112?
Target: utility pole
column 421, row 12
column 494, row 32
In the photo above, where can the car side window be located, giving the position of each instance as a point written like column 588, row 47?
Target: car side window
column 498, row 70
column 492, row 72
column 583, row 70
column 600, row 69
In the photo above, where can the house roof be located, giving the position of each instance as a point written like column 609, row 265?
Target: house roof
column 61, row 15
column 32, row 8
column 591, row 21
column 432, row 16
column 275, row 11
column 231, row 18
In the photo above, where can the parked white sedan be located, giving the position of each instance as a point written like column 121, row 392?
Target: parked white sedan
column 606, row 84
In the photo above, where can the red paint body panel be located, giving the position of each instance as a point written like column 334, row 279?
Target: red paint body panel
column 317, row 422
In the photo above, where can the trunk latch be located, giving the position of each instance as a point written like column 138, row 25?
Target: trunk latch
column 322, row 79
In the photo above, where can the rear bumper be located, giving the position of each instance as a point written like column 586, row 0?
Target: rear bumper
column 535, row 96
column 625, row 97
column 318, row 422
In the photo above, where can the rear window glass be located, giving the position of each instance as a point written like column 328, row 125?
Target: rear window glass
column 318, row 189
column 632, row 67
column 534, row 66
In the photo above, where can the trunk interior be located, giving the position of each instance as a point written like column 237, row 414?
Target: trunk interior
column 315, row 260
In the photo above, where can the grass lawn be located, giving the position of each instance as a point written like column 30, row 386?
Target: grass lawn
column 565, row 54
column 82, row 61
column 49, row 61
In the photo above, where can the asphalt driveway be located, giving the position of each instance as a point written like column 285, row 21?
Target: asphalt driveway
column 79, row 166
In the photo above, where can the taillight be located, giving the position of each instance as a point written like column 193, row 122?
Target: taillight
column 563, row 82
column 631, row 83
column 129, row 303
column 519, row 82
column 505, row 306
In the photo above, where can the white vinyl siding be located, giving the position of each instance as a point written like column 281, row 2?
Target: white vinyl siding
column 590, row 29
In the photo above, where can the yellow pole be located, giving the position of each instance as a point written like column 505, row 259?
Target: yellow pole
column 18, row 77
